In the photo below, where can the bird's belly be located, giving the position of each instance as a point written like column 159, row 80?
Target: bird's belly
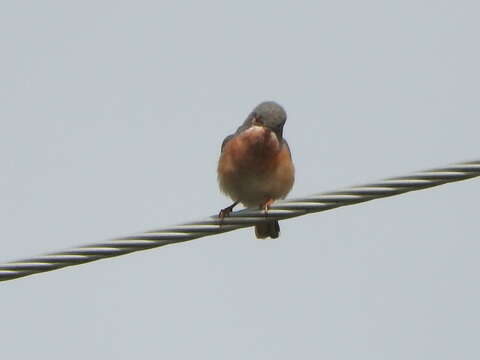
column 251, row 189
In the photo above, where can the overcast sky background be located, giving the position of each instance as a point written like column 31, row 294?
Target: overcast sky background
column 111, row 119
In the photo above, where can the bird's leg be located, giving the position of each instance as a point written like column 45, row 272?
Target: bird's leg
column 266, row 205
column 227, row 210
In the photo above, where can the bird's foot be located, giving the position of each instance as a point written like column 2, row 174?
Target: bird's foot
column 266, row 206
column 226, row 211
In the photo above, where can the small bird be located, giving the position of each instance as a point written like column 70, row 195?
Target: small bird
column 255, row 166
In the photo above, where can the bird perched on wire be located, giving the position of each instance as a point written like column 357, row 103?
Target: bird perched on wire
column 255, row 166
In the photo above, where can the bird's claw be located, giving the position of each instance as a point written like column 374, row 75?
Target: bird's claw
column 266, row 206
column 226, row 211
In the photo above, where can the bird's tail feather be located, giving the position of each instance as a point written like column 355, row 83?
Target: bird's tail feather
column 269, row 229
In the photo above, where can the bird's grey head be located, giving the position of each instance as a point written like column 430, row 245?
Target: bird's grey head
column 268, row 114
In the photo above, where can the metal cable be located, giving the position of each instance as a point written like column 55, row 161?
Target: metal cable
column 248, row 217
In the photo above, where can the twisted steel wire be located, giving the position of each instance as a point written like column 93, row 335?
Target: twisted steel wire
column 248, row 217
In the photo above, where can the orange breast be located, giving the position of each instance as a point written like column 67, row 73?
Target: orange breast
column 254, row 166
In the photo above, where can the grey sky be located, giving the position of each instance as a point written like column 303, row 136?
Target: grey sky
column 111, row 119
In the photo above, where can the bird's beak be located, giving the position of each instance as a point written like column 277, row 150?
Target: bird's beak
column 257, row 122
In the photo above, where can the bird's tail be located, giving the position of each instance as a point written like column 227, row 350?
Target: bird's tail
column 269, row 229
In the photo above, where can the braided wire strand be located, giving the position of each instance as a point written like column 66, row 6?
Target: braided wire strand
column 245, row 218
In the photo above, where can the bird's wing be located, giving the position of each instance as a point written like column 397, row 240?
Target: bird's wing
column 226, row 140
column 288, row 147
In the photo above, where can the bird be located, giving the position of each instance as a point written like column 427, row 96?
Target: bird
column 255, row 166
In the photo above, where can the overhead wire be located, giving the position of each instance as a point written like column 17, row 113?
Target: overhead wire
column 214, row 225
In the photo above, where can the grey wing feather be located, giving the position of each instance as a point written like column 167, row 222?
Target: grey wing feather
column 288, row 147
column 226, row 140
column 246, row 124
